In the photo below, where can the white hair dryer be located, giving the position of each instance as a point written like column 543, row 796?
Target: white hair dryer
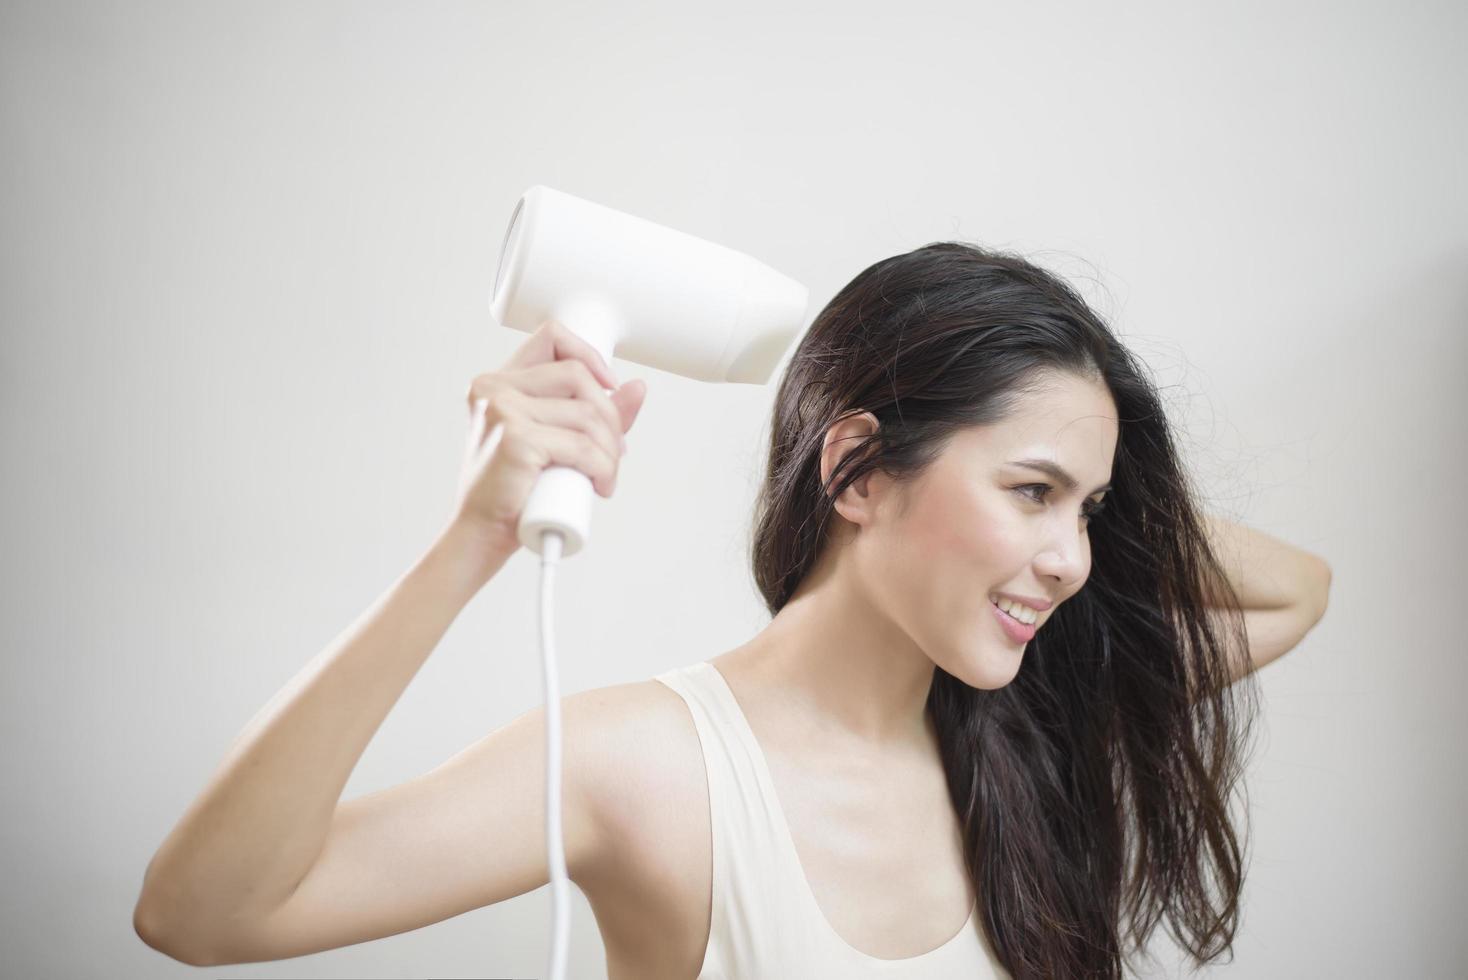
column 644, row 293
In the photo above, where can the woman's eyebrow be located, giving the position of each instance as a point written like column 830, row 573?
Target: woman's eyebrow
column 1055, row 472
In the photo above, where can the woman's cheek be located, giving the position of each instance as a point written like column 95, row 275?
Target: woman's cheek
column 1000, row 538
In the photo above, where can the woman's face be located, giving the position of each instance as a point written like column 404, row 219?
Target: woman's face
column 979, row 523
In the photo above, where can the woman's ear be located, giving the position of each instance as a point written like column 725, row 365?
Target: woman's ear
column 858, row 502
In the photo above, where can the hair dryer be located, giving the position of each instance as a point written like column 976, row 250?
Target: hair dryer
column 645, row 293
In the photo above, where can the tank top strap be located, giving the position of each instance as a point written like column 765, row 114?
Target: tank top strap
column 754, row 892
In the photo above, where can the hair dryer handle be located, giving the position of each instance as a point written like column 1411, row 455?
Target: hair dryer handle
column 559, row 501
column 561, row 498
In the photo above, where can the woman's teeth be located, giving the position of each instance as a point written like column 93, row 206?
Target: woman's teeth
column 1019, row 611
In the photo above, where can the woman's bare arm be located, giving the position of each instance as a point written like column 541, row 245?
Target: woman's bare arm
column 253, row 834
column 1283, row 590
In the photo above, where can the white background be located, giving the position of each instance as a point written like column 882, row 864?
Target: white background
column 247, row 256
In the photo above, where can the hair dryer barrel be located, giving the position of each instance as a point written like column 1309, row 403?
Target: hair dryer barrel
column 643, row 292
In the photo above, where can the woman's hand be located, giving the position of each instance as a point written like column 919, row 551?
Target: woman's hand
column 546, row 406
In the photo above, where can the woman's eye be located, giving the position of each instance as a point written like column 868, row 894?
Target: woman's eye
column 1039, row 497
column 1089, row 511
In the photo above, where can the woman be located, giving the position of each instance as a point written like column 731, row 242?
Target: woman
column 905, row 773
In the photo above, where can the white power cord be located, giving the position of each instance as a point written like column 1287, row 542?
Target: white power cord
column 551, row 544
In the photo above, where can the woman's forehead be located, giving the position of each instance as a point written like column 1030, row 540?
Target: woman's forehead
column 1075, row 428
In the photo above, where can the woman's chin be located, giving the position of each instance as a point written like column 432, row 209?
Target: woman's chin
column 989, row 668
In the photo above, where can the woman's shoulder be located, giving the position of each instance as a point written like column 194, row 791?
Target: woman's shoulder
column 642, row 756
column 651, row 888
column 634, row 714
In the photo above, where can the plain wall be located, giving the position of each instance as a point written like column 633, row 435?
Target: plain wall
column 247, row 258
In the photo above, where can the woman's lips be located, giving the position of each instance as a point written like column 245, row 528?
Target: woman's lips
column 1017, row 631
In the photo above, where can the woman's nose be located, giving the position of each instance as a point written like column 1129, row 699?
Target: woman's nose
column 1066, row 561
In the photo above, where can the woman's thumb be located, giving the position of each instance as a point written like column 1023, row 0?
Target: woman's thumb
column 628, row 400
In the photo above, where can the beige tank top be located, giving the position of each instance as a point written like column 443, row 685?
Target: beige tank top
column 766, row 921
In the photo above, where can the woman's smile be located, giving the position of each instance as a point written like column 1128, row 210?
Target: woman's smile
column 1013, row 628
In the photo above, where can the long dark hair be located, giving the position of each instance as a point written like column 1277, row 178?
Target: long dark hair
column 1094, row 789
